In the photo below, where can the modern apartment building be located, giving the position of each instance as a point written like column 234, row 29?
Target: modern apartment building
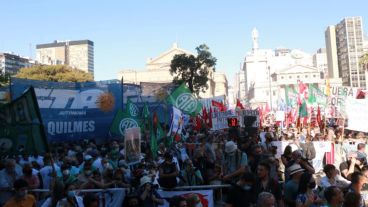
column 11, row 63
column 349, row 43
column 77, row 54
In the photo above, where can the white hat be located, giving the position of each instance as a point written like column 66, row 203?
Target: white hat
column 230, row 147
column 144, row 180
column 295, row 168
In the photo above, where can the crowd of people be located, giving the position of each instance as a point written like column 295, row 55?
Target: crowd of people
column 247, row 162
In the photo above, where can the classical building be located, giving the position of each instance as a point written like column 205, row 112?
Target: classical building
column 266, row 73
column 348, row 39
column 77, row 54
column 158, row 71
column 11, row 63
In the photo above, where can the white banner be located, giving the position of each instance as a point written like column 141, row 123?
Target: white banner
column 357, row 114
column 204, row 197
column 280, row 115
column 219, row 119
column 177, row 122
column 321, row 149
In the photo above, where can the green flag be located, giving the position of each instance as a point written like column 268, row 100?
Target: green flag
column 121, row 122
column 145, row 112
column 291, row 97
column 303, row 112
column 153, row 143
column 160, row 132
column 131, row 109
column 21, row 126
column 183, row 99
column 315, row 95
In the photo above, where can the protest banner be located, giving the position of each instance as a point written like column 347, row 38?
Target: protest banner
column 336, row 100
column 281, row 145
column 176, row 123
column 249, row 114
column 132, row 141
column 280, row 115
column 72, row 111
column 204, row 198
column 219, row 119
column 321, row 148
column 21, row 126
column 357, row 114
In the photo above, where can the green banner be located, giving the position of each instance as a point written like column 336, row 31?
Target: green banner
column 183, row 99
column 315, row 95
column 124, row 120
column 21, row 128
column 291, row 97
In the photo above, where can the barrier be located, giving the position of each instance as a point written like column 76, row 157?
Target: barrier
column 111, row 197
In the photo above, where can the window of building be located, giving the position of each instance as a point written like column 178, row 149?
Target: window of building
column 267, row 93
column 306, row 76
column 298, row 76
column 274, row 93
column 314, row 76
column 282, row 77
column 290, row 77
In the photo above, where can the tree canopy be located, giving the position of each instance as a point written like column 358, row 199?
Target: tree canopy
column 193, row 70
column 57, row 73
column 364, row 61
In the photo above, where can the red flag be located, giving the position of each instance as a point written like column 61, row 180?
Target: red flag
column 205, row 116
column 155, row 121
column 210, row 118
column 198, row 124
column 219, row 105
column 260, row 110
column 239, row 104
column 267, row 109
column 360, row 94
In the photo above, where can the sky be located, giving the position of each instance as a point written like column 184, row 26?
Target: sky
column 127, row 33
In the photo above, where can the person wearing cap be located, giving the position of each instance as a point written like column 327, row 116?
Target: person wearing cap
column 292, row 186
column 354, row 163
column 297, row 158
column 357, row 182
column 236, row 161
column 21, row 197
column 148, row 194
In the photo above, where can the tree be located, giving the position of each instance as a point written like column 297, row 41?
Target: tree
column 193, row 70
column 57, row 73
column 364, row 61
column 4, row 79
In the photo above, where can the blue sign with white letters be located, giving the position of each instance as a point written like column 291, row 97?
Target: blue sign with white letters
column 72, row 111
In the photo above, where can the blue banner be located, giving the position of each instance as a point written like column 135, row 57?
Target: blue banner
column 72, row 111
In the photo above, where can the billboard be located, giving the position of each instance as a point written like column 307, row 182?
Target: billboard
column 72, row 111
